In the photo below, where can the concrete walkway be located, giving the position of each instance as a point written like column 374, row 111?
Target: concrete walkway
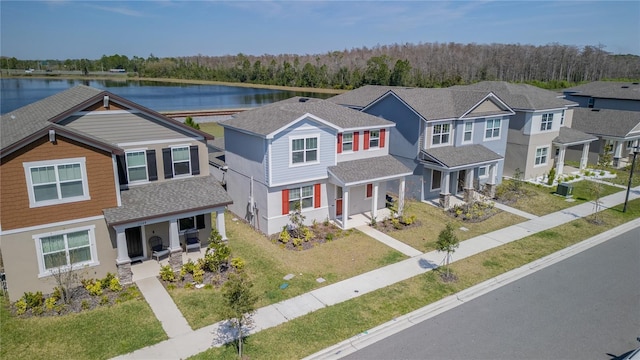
column 515, row 211
column 389, row 241
column 182, row 345
column 173, row 323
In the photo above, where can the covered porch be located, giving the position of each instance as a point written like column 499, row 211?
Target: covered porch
column 359, row 187
column 569, row 137
column 153, row 221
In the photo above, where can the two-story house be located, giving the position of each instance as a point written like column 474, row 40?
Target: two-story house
column 454, row 139
column 614, row 95
column 328, row 160
column 93, row 182
column 539, row 131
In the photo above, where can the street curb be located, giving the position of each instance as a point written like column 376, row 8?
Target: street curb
column 403, row 322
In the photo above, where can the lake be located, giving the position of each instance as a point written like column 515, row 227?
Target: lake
column 158, row 96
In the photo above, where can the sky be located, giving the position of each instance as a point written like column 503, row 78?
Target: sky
column 58, row 30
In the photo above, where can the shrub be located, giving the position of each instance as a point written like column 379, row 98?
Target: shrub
column 114, row 285
column 552, row 176
column 94, row 287
column 307, row 233
column 238, row 263
column 167, row 274
column 104, row 300
column 189, row 267
column 106, row 281
column 85, row 305
column 284, row 236
column 50, row 303
column 329, row 237
column 21, row 306
column 57, row 293
column 198, row 275
column 33, row 300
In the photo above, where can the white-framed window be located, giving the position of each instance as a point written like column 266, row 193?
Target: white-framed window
column 302, row 196
column 181, row 160
column 65, row 250
column 483, row 171
column 436, row 180
column 547, row 122
column 441, row 134
column 562, row 118
column 304, row 150
column 492, row 129
column 137, row 166
column 191, row 223
column 57, row 181
column 347, row 142
column 542, row 154
column 467, row 135
column 630, row 144
column 374, row 138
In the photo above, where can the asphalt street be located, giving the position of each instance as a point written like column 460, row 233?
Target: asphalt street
column 585, row 307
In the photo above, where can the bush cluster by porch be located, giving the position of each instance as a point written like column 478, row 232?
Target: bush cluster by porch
column 474, row 211
column 298, row 236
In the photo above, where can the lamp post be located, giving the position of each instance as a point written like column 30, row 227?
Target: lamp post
column 636, row 150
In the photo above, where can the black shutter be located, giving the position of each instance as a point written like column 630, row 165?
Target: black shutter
column 195, row 161
column 200, row 221
column 166, row 159
column 152, row 168
column 122, row 169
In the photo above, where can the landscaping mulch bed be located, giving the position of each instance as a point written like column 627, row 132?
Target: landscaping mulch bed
column 387, row 226
column 322, row 233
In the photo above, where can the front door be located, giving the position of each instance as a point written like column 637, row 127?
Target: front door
column 134, row 242
column 462, row 177
column 338, row 200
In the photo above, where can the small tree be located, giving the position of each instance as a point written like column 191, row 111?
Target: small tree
column 447, row 242
column 189, row 122
column 65, row 275
column 239, row 303
column 595, row 190
column 605, row 159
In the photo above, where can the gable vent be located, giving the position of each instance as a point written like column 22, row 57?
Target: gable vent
column 105, row 101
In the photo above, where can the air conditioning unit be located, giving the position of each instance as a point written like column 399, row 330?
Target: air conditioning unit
column 565, row 189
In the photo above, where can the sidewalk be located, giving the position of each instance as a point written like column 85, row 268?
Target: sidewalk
column 193, row 342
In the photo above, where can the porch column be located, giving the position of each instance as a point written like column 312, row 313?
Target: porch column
column 618, row 153
column 123, row 262
column 374, row 201
column 468, row 185
column 220, row 225
column 445, row 195
column 345, row 206
column 585, row 156
column 175, row 256
column 560, row 160
column 401, row 196
column 491, row 183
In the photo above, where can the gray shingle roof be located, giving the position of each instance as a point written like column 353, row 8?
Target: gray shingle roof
column 608, row 89
column 572, row 136
column 369, row 170
column 521, row 96
column 20, row 123
column 267, row 119
column 362, row 96
column 167, row 198
column 456, row 156
column 605, row 122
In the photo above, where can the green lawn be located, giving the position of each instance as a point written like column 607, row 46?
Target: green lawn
column 213, row 128
column 311, row 333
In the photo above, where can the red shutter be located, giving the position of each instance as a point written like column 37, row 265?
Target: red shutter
column 369, row 190
column 339, row 143
column 382, row 132
column 317, row 191
column 285, row 202
column 366, row 139
column 356, row 141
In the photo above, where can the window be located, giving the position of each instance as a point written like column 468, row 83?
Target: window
column 492, row 130
column 562, row 118
column 630, row 144
column 436, row 177
column 137, row 166
column 374, row 138
column 65, row 250
column 191, row 223
column 468, row 132
column 482, row 172
column 302, row 197
column 56, row 182
column 440, row 134
column 547, row 122
column 304, row 150
column 181, row 160
column 177, row 161
column 347, row 142
column 541, row 155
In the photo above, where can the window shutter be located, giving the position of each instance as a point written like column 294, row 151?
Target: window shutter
column 166, row 160
column 200, row 221
column 195, row 160
column 382, row 132
column 366, row 139
column 317, row 192
column 285, row 201
column 356, row 140
column 369, row 190
column 122, row 169
column 339, row 143
column 152, row 167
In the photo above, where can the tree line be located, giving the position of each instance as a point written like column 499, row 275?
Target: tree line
column 421, row 65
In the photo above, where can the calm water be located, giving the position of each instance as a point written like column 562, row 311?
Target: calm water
column 153, row 95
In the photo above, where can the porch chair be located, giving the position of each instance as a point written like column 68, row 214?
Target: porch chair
column 192, row 242
column 158, row 248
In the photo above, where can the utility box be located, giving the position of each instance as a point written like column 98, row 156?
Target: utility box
column 565, row 189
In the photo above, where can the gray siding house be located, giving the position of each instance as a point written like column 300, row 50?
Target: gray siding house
column 614, row 95
column 329, row 160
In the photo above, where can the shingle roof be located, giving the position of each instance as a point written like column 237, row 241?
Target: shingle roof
column 605, row 122
column 456, row 156
column 20, row 123
column 521, row 96
column 607, row 89
column 362, row 96
column 572, row 136
column 369, row 170
column 166, row 198
column 267, row 119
